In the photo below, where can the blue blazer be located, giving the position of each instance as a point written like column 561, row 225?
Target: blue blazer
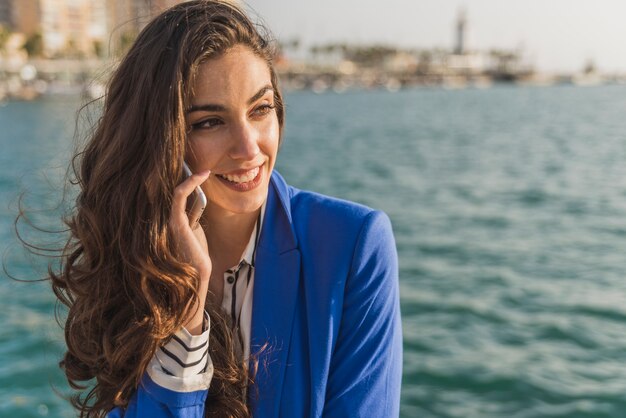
column 326, row 299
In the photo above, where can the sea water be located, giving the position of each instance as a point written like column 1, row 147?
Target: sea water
column 509, row 209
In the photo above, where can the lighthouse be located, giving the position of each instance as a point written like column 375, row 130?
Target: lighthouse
column 461, row 33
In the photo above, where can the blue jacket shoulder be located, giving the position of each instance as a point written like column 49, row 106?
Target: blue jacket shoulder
column 315, row 207
column 331, row 229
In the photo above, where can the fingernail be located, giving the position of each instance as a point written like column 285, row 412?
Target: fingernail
column 205, row 173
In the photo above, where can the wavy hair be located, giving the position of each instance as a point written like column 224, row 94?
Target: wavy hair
column 121, row 277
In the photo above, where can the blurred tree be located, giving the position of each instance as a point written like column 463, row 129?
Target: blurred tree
column 126, row 41
column 98, row 49
column 4, row 36
column 370, row 55
column 425, row 62
column 70, row 48
column 34, row 45
column 289, row 47
column 590, row 67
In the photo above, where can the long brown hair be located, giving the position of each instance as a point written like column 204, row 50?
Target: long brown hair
column 121, row 278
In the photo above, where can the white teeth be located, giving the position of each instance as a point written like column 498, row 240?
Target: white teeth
column 250, row 175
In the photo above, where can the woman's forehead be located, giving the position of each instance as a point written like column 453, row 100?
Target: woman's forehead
column 238, row 73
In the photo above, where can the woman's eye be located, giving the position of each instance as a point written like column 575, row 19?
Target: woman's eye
column 207, row 123
column 264, row 109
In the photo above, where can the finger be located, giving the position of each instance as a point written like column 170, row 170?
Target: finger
column 184, row 189
column 193, row 181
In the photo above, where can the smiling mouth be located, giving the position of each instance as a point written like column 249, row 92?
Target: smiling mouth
column 240, row 178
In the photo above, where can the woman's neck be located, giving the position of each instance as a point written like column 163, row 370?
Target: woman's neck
column 227, row 234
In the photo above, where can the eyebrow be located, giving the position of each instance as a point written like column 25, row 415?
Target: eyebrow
column 209, row 107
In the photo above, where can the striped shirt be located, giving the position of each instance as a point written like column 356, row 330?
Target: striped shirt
column 184, row 363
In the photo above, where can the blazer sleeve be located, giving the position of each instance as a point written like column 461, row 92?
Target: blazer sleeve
column 176, row 383
column 154, row 401
column 366, row 365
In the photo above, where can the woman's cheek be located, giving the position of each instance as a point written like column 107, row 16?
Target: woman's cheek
column 272, row 131
column 203, row 153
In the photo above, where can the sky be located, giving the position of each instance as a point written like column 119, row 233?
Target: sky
column 554, row 35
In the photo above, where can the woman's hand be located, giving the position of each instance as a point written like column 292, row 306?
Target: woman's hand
column 192, row 244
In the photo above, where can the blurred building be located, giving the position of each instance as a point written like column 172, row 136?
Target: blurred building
column 126, row 18
column 20, row 16
column 80, row 28
column 71, row 27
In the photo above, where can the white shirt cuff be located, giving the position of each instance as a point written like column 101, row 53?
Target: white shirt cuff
column 184, row 364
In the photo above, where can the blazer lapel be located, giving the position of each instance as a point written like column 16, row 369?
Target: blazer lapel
column 277, row 275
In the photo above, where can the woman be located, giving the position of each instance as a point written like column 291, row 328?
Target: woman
column 297, row 292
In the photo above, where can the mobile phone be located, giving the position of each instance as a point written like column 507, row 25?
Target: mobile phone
column 196, row 202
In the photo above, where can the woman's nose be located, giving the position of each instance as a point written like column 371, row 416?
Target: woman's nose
column 245, row 144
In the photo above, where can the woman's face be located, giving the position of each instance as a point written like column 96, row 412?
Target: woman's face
column 234, row 130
